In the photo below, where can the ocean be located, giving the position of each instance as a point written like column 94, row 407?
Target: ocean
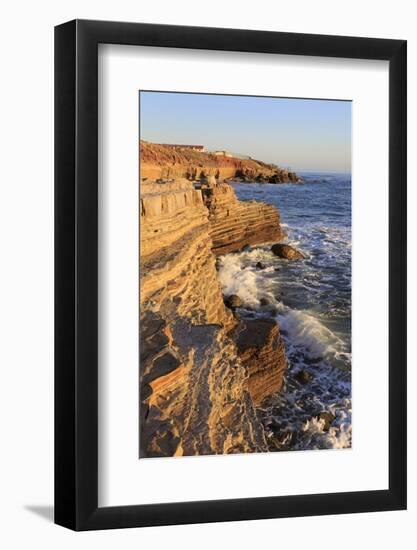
column 311, row 300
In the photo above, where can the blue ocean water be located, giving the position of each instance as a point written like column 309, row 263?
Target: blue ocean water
column 311, row 300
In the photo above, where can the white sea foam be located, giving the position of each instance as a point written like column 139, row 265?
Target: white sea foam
column 308, row 332
column 235, row 280
column 310, row 345
column 238, row 275
column 336, row 437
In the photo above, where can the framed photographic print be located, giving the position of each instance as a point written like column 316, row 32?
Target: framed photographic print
column 230, row 275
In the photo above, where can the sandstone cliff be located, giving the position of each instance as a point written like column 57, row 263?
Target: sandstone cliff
column 176, row 259
column 198, row 385
column 235, row 224
column 161, row 161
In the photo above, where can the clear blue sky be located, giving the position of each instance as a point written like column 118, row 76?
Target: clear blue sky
column 296, row 133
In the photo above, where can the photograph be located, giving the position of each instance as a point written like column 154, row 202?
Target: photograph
column 245, row 274
column 208, row 328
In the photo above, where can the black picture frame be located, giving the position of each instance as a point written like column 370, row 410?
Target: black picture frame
column 76, row 272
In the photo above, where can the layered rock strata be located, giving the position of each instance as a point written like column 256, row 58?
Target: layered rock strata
column 198, row 390
column 175, row 252
column 163, row 162
column 235, row 224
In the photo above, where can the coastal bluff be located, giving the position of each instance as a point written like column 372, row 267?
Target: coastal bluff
column 159, row 161
column 235, row 224
column 201, row 378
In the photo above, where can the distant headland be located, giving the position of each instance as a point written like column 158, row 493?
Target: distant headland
column 193, row 162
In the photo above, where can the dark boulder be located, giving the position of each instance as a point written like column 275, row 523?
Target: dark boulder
column 303, row 376
column 287, row 252
column 233, row 301
column 328, row 418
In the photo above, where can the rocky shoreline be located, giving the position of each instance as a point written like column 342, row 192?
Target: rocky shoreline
column 203, row 369
column 165, row 162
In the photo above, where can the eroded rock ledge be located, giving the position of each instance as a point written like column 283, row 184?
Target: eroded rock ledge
column 235, row 224
column 262, row 351
column 202, row 371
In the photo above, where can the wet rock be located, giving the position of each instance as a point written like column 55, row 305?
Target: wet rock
column 328, row 418
column 285, row 437
column 287, row 252
column 304, row 377
column 233, row 301
column 264, row 302
column 260, row 265
column 276, row 426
